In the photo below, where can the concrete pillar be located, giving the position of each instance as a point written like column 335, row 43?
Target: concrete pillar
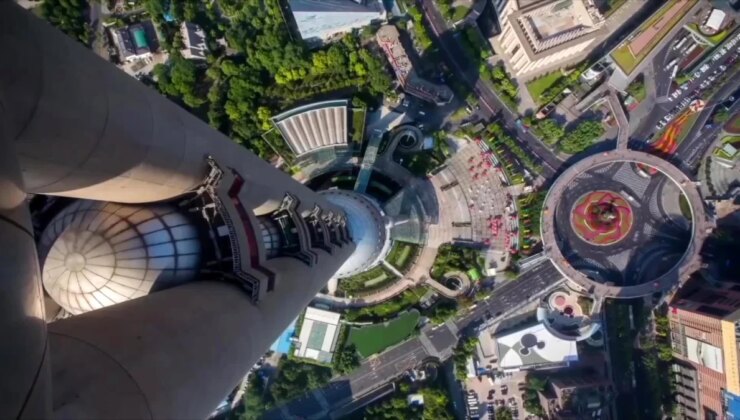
column 83, row 128
column 24, row 388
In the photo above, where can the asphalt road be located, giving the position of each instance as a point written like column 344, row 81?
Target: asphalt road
column 697, row 141
column 458, row 63
column 663, row 106
column 391, row 364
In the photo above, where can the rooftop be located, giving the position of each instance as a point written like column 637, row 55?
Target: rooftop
column 321, row 19
column 318, row 335
column 555, row 24
column 314, row 126
column 533, row 346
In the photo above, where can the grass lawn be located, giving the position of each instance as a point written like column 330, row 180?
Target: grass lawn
column 637, row 89
column 375, row 338
column 400, row 255
column 624, row 57
column 474, row 274
column 714, row 39
column 358, row 125
column 460, row 13
column 734, row 141
column 538, row 86
column 368, row 281
column 686, row 127
column 683, row 204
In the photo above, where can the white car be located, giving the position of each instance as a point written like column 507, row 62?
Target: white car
column 722, row 67
column 676, row 94
column 660, row 125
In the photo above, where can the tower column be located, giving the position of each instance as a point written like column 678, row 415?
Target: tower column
column 24, row 388
column 78, row 127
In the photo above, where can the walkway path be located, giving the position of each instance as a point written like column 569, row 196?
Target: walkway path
column 446, row 291
column 624, row 126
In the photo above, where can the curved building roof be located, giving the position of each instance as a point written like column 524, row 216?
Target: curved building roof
column 367, row 227
column 314, row 126
column 96, row 254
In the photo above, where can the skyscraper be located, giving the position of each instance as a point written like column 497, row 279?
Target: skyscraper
column 72, row 125
column 705, row 331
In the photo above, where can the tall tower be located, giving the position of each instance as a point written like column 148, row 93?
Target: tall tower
column 72, row 125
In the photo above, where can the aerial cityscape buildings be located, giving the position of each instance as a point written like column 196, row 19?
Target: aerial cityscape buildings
column 277, row 209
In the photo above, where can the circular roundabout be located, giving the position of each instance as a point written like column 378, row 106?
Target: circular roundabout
column 616, row 231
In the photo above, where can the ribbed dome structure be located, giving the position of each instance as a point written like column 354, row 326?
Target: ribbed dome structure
column 368, row 228
column 96, row 254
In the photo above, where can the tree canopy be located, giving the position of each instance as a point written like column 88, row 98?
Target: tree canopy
column 270, row 71
column 581, row 137
column 68, row 16
column 346, row 359
column 295, row 378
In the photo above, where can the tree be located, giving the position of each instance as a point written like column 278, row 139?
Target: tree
column 346, row 360
column 721, row 116
column 69, row 17
column 549, row 130
column 503, row 413
column 581, row 137
column 295, row 378
column 256, row 400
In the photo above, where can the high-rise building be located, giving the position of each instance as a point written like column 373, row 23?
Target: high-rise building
column 704, row 335
column 158, row 324
column 539, row 36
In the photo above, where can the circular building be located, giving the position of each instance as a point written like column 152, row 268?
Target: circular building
column 95, row 254
column 623, row 224
column 368, row 228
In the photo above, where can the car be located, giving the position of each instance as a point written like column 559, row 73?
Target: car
column 422, row 113
column 520, row 125
column 722, row 67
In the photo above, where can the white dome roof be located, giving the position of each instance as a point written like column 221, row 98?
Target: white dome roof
column 96, row 254
column 367, row 227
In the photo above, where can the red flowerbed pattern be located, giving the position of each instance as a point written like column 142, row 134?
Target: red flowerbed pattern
column 602, row 217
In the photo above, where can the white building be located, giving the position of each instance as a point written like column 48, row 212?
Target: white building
column 314, row 126
column 320, row 20
column 715, row 20
column 534, row 347
column 538, row 36
column 194, row 40
column 132, row 42
column 318, row 337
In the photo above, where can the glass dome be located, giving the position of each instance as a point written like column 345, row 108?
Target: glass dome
column 96, row 254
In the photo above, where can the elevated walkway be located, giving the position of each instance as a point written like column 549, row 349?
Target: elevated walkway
column 366, row 168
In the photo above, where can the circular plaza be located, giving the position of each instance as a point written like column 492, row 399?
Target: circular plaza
column 617, row 230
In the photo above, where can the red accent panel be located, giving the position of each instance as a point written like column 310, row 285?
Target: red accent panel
column 254, row 261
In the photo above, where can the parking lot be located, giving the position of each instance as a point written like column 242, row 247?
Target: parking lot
column 501, row 390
